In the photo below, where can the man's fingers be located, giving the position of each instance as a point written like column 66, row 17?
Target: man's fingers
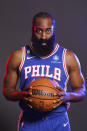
column 59, row 94
column 57, row 104
column 27, row 99
column 60, row 89
column 29, row 106
column 58, row 100
column 27, row 94
column 28, row 88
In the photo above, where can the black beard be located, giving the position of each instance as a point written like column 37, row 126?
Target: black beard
column 43, row 50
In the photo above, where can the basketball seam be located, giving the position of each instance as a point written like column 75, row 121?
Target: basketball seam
column 44, row 99
column 55, row 88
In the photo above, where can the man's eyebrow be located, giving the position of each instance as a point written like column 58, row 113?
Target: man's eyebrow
column 49, row 28
column 43, row 27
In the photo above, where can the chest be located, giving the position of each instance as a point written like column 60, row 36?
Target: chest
column 49, row 67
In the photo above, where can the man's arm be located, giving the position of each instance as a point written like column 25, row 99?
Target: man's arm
column 11, row 77
column 76, row 79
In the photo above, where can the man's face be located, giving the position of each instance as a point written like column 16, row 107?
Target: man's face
column 42, row 37
column 43, row 28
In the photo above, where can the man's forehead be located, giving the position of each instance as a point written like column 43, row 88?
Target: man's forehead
column 43, row 22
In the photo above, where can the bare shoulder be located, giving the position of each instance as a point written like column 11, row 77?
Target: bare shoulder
column 14, row 59
column 72, row 61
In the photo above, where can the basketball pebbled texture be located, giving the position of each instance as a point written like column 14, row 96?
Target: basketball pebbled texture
column 44, row 95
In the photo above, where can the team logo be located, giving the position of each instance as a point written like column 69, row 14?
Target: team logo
column 55, row 59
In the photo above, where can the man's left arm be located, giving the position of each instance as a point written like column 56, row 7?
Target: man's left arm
column 76, row 79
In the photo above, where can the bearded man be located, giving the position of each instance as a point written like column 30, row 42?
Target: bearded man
column 43, row 58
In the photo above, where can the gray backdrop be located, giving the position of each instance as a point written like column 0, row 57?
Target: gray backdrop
column 15, row 31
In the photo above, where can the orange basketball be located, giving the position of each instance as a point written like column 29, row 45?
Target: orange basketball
column 44, row 93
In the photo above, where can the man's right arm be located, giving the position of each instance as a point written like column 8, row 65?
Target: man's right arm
column 11, row 77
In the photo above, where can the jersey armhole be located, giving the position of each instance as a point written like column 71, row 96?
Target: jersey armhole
column 64, row 63
column 65, row 69
column 23, row 58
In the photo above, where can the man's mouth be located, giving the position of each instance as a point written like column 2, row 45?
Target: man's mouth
column 44, row 44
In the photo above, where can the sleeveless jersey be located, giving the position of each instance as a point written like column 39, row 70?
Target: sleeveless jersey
column 52, row 66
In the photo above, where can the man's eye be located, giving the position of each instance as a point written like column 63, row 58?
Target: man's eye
column 38, row 30
column 48, row 31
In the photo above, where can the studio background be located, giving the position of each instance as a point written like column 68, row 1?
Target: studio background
column 15, row 31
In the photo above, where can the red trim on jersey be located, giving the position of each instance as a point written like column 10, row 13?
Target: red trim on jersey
column 54, row 51
column 64, row 63
column 65, row 88
column 20, row 116
column 23, row 58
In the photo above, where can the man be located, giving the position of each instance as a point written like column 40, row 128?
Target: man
column 43, row 58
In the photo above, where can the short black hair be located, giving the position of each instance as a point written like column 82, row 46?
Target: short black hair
column 43, row 15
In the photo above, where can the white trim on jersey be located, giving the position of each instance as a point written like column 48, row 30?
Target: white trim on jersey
column 65, row 69
column 23, row 58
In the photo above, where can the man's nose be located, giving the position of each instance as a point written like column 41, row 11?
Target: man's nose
column 43, row 36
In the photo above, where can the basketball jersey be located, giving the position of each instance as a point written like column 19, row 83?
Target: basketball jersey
column 52, row 67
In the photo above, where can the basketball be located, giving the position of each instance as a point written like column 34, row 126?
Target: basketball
column 44, row 93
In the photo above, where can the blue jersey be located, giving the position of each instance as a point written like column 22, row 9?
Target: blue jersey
column 52, row 66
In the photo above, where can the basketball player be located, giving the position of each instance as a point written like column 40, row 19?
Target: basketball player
column 43, row 58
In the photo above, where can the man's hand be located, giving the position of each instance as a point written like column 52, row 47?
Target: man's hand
column 27, row 96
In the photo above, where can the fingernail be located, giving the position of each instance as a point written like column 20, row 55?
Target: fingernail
column 54, row 102
column 55, row 94
column 30, row 106
column 30, row 100
column 30, row 93
column 54, row 106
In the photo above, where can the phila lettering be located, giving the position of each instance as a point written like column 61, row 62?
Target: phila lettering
column 42, row 71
